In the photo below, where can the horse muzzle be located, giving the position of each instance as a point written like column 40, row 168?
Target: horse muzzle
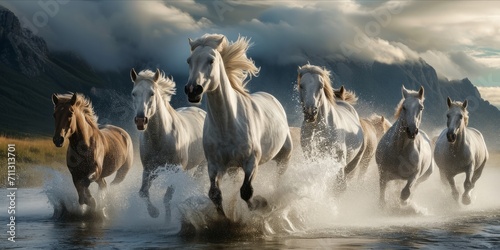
column 311, row 114
column 411, row 133
column 451, row 136
column 141, row 122
column 58, row 141
column 194, row 94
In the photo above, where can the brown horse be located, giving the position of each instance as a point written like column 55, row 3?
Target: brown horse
column 373, row 128
column 94, row 151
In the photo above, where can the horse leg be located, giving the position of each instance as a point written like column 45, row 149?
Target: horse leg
column 470, row 183
column 214, row 193
column 406, row 192
column 341, row 183
column 166, row 202
column 147, row 179
column 449, row 179
column 246, row 190
column 383, row 186
column 102, row 188
column 284, row 155
column 122, row 171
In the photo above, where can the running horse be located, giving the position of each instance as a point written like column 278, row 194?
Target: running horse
column 331, row 126
column 460, row 149
column 168, row 136
column 95, row 151
column 404, row 152
column 241, row 129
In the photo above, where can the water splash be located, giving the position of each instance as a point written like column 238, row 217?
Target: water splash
column 301, row 202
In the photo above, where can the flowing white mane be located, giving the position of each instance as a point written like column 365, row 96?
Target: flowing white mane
column 236, row 63
column 166, row 85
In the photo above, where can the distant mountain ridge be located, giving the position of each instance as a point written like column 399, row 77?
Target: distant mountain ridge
column 30, row 73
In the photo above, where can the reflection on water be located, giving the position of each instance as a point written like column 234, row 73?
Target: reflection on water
column 302, row 214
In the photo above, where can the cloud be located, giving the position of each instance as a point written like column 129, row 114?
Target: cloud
column 459, row 39
column 491, row 94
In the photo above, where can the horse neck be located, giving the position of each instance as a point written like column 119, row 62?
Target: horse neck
column 84, row 131
column 222, row 103
column 461, row 135
column 163, row 119
column 327, row 112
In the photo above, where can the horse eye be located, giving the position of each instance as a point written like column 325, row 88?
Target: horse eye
column 133, row 94
column 188, row 61
column 211, row 61
column 152, row 94
column 404, row 108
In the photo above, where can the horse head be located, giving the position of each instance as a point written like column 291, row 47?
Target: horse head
column 143, row 96
column 410, row 111
column 457, row 119
column 314, row 88
column 65, row 125
column 204, row 67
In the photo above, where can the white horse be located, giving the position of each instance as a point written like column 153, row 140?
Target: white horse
column 241, row 129
column 460, row 149
column 404, row 152
column 374, row 127
column 331, row 126
column 171, row 137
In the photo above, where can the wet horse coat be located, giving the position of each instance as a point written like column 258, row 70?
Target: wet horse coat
column 460, row 149
column 95, row 151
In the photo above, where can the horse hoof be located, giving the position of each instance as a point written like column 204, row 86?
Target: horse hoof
column 466, row 200
column 258, row 202
column 153, row 211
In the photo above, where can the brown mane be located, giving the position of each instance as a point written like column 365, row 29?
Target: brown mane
column 83, row 104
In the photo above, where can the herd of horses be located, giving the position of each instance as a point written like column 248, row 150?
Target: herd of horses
column 244, row 130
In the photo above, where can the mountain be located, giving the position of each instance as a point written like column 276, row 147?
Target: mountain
column 378, row 86
column 30, row 73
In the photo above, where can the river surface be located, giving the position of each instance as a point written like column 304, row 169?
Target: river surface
column 302, row 213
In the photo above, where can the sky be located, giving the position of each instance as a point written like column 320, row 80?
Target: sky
column 458, row 38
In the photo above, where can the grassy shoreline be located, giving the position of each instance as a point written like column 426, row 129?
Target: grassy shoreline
column 30, row 153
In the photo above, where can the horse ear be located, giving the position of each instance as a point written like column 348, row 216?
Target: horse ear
column 133, row 75
column 464, row 105
column 157, row 75
column 219, row 42
column 342, row 91
column 55, row 100
column 404, row 91
column 421, row 93
column 191, row 43
column 448, row 100
column 73, row 99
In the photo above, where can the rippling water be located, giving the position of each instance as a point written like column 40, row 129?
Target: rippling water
column 302, row 213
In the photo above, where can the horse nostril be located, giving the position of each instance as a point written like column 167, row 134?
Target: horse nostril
column 416, row 131
column 186, row 89
column 198, row 89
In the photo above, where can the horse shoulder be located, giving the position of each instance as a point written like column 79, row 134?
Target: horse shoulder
column 477, row 144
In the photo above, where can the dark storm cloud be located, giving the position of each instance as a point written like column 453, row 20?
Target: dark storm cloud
column 113, row 34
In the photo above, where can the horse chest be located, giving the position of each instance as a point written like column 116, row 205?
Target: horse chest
column 229, row 152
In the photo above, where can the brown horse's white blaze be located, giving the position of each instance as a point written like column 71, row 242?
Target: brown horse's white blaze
column 94, row 152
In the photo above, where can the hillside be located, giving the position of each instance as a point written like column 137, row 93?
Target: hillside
column 30, row 73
